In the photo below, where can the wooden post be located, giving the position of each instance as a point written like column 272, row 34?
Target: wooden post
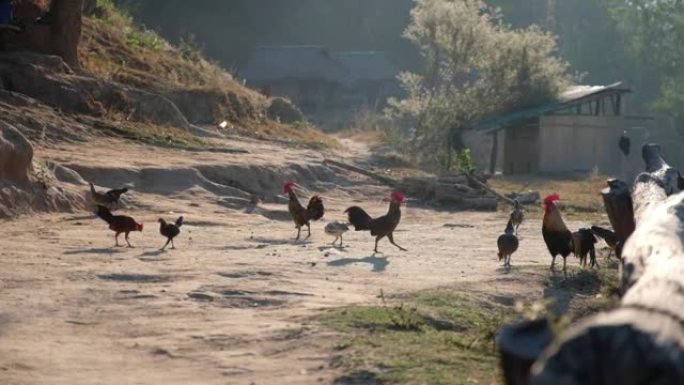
column 450, row 150
column 641, row 342
column 494, row 154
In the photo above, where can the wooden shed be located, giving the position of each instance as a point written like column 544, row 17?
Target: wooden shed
column 577, row 132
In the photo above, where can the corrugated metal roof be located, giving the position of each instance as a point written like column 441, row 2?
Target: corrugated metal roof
column 293, row 62
column 367, row 65
column 571, row 97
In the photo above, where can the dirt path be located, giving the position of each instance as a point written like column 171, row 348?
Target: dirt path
column 233, row 304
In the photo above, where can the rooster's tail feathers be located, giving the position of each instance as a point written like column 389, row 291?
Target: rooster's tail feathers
column 104, row 213
column 601, row 232
column 315, row 208
column 358, row 218
column 179, row 221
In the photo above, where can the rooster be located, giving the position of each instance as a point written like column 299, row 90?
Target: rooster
column 108, row 198
column 336, row 229
column 556, row 235
column 119, row 223
column 170, row 230
column 300, row 215
column 608, row 236
column 583, row 241
column 507, row 243
column 379, row 227
column 517, row 215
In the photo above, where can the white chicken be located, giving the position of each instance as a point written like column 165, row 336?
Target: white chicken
column 336, row 229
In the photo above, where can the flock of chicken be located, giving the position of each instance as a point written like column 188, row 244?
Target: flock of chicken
column 559, row 240
column 123, row 224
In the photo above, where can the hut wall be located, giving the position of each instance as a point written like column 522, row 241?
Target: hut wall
column 521, row 148
column 579, row 143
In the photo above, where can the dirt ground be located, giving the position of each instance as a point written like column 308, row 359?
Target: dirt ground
column 233, row 304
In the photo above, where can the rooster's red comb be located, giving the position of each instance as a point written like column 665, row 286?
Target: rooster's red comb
column 397, row 196
column 552, row 198
column 287, row 185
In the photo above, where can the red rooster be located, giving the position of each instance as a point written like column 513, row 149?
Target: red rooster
column 556, row 235
column 119, row 223
column 380, row 227
column 300, row 215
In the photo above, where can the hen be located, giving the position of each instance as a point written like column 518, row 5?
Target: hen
column 583, row 241
column 507, row 243
column 119, row 223
column 170, row 230
column 300, row 215
column 108, row 198
column 556, row 235
column 379, row 227
column 517, row 215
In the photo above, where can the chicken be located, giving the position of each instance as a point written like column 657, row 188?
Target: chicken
column 170, row 230
column 507, row 243
column 517, row 215
column 300, row 215
column 336, row 229
column 379, row 227
column 119, row 223
column 583, row 241
column 608, row 236
column 108, row 198
column 556, row 235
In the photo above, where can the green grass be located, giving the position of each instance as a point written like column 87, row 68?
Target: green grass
column 161, row 136
column 435, row 337
column 447, row 336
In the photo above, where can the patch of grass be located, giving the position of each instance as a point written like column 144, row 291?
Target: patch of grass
column 300, row 135
column 434, row 337
column 163, row 136
column 447, row 336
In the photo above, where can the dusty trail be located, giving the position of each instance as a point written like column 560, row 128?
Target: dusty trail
column 232, row 304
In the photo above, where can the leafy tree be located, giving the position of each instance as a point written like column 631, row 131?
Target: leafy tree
column 655, row 30
column 476, row 66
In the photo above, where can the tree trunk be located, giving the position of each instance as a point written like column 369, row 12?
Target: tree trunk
column 66, row 29
column 641, row 342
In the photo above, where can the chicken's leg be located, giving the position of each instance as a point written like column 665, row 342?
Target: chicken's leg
column 340, row 240
column 299, row 231
column 377, row 239
column 116, row 240
column 166, row 244
column 308, row 228
column 172, row 245
column 565, row 273
column 391, row 239
column 553, row 263
column 129, row 243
